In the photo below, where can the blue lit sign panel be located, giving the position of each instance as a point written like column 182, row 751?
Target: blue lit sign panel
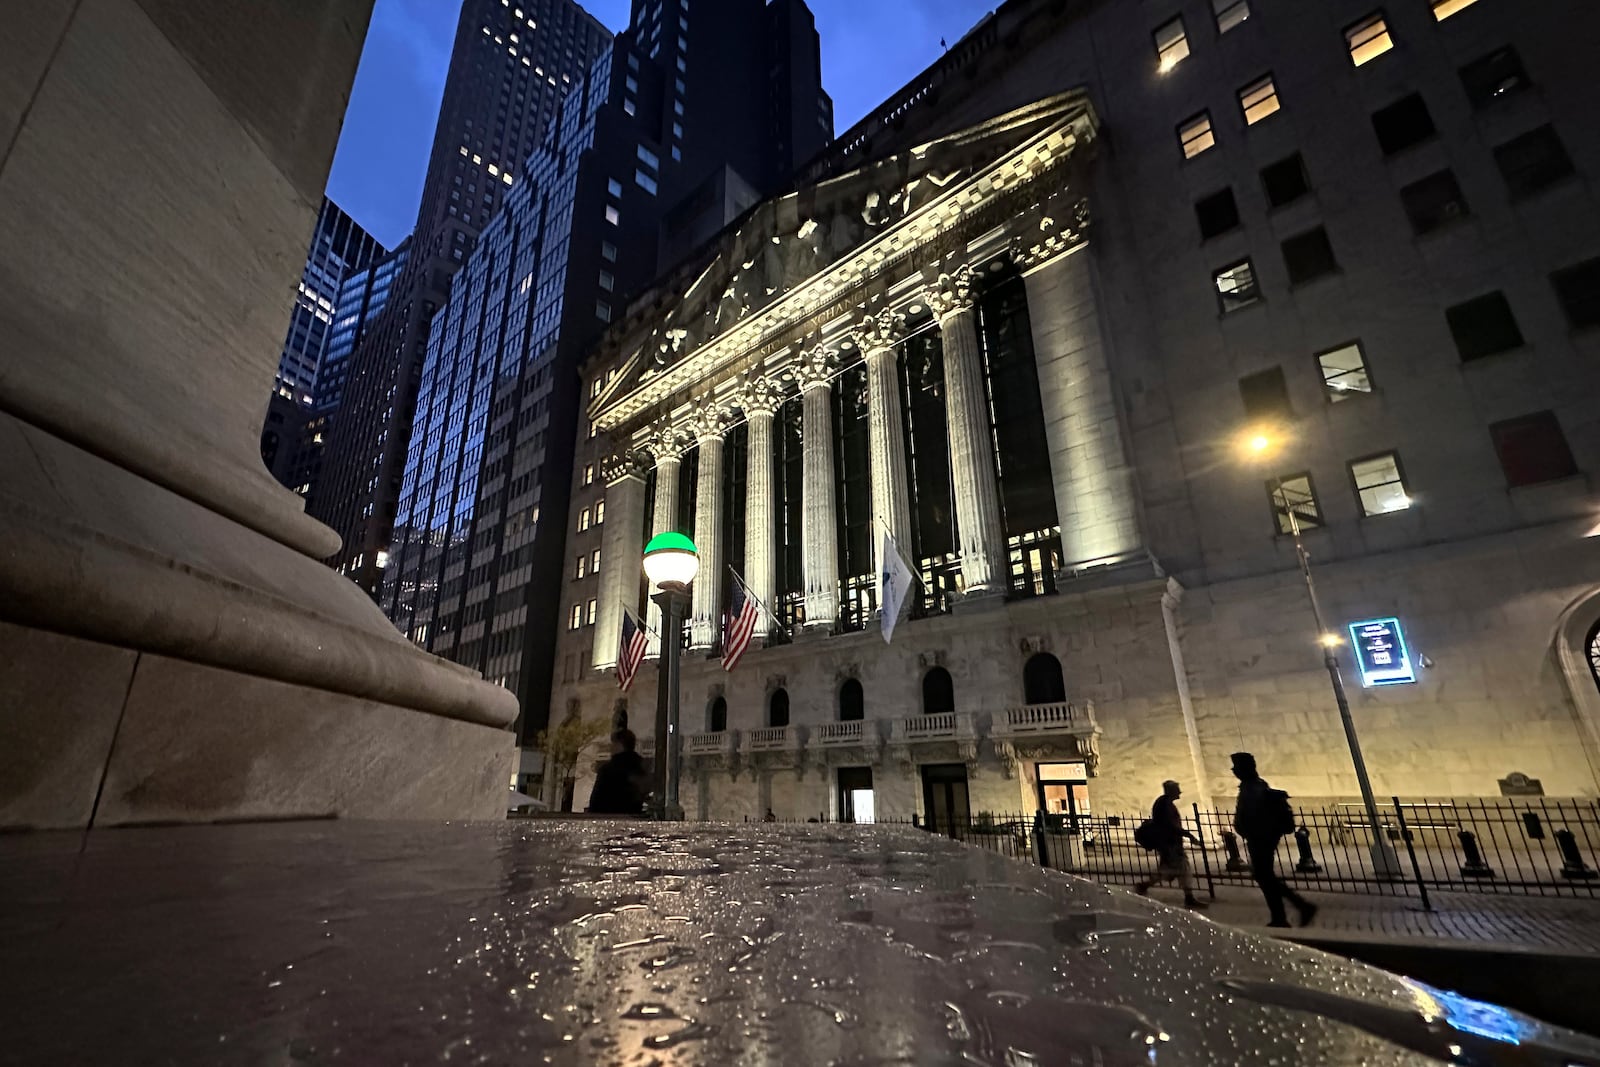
column 1381, row 652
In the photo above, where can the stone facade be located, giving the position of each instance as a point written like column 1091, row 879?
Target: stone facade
column 1173, row 600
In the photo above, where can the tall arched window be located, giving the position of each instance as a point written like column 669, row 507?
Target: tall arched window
column 1041, row 680
column 718, row 716
column 1594, row 653
column 938, row 692
column 778, row 708
column 852, row 703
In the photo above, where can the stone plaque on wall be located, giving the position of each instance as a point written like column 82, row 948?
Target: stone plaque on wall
column 1517, row 784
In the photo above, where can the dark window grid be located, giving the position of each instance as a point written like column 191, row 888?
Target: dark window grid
column 1398, row 479
column 735, row 471
column 1266, row 395
column 853, row 481
column 1532, row 449
column 1434, row 202
column 1309, row 256
column 1494, row 77
column 1483, row 326
column 1533, row 162
column 934, row 544
column 1285, row 181
column 1402, row 124
column 1217, row 213
column 1577, row 289
column 1296, row 492
column 1016, row 412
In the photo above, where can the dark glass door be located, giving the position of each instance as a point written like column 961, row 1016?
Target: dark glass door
column 944, row 798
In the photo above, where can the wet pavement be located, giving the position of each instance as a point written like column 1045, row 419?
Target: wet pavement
column 592, row 942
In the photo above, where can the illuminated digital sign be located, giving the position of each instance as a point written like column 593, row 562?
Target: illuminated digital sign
column 1381, row 653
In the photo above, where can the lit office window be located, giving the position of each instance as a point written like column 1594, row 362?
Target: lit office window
column 602, row 311
column 1379, row 484
column 613, row 187
column 1230, row 13
column 1236, row 286
column 1443, row 9
column 1172, row 44
column 1258, row 100
column 649, row 158
column 1294, row 493
column 1195, row 135
column 608, row 252
column 588, row 468
column 607, row 282
column 627, row 105
column 577, row 617
column 583, row 520
column 613, row 216
column 1368, row 39
column 583, row 567
column 599, row 511
column 594, row 562
column 1344, row 372
column 590, row 613
column 647, row 183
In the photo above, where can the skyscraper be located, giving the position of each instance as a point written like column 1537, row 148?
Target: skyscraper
column 675, row 132
column 338, row 246
column 511, row 65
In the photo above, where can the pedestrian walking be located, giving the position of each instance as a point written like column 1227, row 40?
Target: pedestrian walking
column 619, row 786
column 1163, row 833
column 1263, row 818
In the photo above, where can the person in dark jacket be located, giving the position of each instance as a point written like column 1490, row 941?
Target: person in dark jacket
column 1173, row 862
column 619, row 787
column 1259, row 819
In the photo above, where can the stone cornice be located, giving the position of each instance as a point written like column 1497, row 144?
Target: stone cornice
column 1058, row 237
column 1004, row 189
column 625, row 463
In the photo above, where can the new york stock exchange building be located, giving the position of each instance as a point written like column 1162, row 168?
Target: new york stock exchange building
column 987, row 324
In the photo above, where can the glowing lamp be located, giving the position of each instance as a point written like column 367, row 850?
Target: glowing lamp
column 670, row 560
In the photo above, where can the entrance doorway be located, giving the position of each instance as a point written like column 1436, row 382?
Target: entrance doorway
column 855, row 795
column 1064, row 792
column 944, row 797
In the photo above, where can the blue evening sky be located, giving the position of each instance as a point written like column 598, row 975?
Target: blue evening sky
column 870, row 48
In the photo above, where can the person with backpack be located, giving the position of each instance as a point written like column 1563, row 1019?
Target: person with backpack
column 1163, row 834
column 1263, row 818
column 620, row 784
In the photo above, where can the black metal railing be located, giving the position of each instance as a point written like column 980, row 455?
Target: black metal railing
column 1535, row 847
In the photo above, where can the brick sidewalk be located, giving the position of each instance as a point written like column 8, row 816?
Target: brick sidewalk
column 1544, row 924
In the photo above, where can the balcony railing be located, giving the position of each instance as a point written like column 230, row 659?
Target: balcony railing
column 1061, row 718
column 940, row 726
column 840, row 733
column 772, row 739
column 716, row 743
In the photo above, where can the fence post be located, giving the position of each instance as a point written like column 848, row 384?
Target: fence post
column 1302, row 842
column 1230, row 845
column 1474, row 867
column 1411, row 850
column 1205, row 854
column 1572, row 864
column 1041, row 854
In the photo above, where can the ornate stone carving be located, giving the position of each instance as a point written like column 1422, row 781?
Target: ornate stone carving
column 760, row 396
column 951, row 292
column 879, row 332
column 709, row 420
column 668, row 443
column 625, row 463
column 815, row 366
column 1056, row 237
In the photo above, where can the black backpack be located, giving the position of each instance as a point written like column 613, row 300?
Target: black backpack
column 1147, row 835
column 1277, row 812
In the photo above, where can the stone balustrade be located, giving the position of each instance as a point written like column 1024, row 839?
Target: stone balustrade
column 840, row 733
column 714, row 743
column 1032, row 719
column 772, row 739
column 940, row 726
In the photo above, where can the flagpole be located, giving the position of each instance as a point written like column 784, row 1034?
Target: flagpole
column 747, row 592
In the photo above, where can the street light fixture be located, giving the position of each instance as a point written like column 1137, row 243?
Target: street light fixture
column 1385, row 862
column 670, row 562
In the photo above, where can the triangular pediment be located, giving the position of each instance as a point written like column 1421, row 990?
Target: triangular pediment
column 788, row 240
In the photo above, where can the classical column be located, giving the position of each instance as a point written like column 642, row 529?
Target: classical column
column 621, row 550
column 821, row 546
column 760, row 401
column 972, row 469
column 708, row 425
column 668, row 451
column 1096, row 498
column 891, row 508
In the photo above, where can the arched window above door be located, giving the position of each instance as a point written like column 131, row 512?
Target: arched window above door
column 778, row 708
column 938, row 692
column 1594, row 654
column 1041, row 680
column 852, row 702
column 717, row 716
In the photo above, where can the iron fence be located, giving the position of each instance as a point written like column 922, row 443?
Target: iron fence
column 1539, row 846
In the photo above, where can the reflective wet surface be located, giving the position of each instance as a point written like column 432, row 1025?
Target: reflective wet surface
column 648, row 944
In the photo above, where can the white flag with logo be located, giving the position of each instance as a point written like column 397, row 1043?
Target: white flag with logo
column 896, row 581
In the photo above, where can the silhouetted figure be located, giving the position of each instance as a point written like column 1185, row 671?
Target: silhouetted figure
column 1263, row 817
column 619, row 788
column 769, row 817
column 1166, row 834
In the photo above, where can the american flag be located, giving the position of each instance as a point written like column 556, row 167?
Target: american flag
column 741, row 625
column 631, row 652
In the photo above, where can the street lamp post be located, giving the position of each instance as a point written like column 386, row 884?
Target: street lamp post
column 670, row 562
column 1385, row 862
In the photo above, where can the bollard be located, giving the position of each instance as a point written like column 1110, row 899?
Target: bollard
column 1230, row 845
column 1308, row 863
column 1474, row 867
column 1572, row 865
column 1532, row 826
column 1041, row 855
